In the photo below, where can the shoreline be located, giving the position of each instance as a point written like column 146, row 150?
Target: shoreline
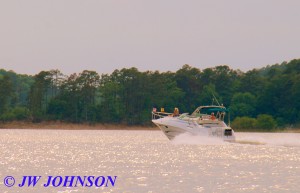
column 57, row 125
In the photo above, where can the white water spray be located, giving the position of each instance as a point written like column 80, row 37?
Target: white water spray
column 187, row 138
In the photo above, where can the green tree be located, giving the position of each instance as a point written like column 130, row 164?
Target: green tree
column 225, row 82
column 188, row 80
column 6, row 91
column 69, row 98
column 38, row 98
column 111, row 107
column 56, row 79
column 243, row 104
column 266, row 122
column 244, row 123
column 295, row 95
column 88, row 83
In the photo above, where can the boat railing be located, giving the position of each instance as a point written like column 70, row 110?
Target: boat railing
column 158, row 115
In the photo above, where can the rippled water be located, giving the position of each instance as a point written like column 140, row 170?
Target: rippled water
column 146, row 161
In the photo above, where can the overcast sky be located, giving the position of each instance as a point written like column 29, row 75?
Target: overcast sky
column 104, row 35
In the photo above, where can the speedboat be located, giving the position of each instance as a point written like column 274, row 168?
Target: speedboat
column 205, row 121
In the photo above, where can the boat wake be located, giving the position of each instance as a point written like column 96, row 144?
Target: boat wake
column 274, row 139
column 278, row 139
column 189, row 139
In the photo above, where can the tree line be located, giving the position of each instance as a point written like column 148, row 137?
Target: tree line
column 260, row 98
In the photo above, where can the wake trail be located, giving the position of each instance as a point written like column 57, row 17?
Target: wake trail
column 272, row 139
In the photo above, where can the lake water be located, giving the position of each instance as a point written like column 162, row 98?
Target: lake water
column 146, row 161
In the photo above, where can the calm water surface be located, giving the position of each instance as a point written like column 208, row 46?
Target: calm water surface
column 146, row 161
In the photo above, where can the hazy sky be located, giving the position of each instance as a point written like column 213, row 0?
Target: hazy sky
column 104, row 35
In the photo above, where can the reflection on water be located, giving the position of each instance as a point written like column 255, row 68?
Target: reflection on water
column 146, row 161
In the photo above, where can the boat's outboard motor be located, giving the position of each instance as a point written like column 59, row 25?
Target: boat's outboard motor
column 228, row 132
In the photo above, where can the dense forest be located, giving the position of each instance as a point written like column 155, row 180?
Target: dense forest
column 264, row 98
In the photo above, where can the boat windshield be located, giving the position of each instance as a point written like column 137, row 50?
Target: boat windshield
column 208, row 110
column 183, row 115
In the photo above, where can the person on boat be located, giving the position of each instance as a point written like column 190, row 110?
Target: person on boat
column 176, row 112
column 212, row 116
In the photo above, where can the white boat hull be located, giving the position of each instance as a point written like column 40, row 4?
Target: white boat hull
column 173, row 126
